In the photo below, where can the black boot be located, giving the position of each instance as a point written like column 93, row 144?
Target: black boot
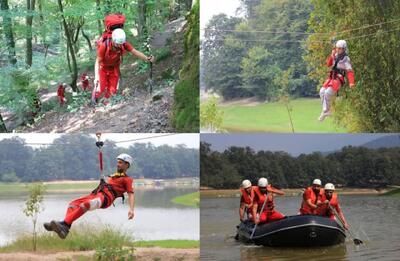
column 61, row 228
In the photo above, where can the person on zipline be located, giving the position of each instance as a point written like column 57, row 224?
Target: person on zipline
column 109, row 53
column 101, row 197
column 341, row 67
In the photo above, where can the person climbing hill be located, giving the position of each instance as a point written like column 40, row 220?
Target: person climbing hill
column 110, row 48
column 341, row 67
column 101, row 197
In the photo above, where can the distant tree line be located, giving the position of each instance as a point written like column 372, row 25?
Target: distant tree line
column 75, row 157
column 349, row 167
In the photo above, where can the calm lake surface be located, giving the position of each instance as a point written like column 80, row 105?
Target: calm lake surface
column 156, row 217
column 374, row 219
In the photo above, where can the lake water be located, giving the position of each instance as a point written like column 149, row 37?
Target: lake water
column 374, row 219
column 156, row 217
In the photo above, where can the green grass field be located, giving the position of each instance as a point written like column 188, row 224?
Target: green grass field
column 273, row 117
column 191, row 199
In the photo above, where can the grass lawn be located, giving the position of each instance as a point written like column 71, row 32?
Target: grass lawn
column 273, row 117
column 191, row 199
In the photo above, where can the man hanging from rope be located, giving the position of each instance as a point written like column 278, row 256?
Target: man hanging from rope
column 102, row 197
column 341, row 67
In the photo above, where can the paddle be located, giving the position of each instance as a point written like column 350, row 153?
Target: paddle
column 262, row 208
column 355, row 240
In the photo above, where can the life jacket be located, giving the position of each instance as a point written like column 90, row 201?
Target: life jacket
column 248, row 199
column 109, row 193
column 260, row 198
column 305, row 208
column 325, row 210
column 112, row 22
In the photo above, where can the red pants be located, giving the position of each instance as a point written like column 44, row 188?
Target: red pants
column 61, row 100
column 79, row 206
column 335, row 83
column 267, row 217
column 109, row 77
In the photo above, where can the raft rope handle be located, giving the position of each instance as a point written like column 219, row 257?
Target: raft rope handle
column 99, row 145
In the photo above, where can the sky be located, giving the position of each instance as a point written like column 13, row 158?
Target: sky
column 190, row 140
column 294, row 144
column 209, row 8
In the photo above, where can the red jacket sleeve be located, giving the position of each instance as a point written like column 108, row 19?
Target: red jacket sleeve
column 350, row 76
column 129, row 185
column 128, row 46
column 329, row 61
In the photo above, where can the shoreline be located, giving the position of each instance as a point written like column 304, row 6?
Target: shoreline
column 140, row 253
column 235, row 193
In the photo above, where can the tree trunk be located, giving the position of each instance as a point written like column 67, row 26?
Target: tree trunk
column 87, row 39
column 70, row 46
column 3, row 127
column 142, row 30
column 8, row 33
column 30, row 7
column 99, row 25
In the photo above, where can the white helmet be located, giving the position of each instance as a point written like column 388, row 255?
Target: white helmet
column 246, row 183
column 126, row 158
column 263, row 182
column 329, row 186
column 317, row 182
column 341, row 44
column 118, row 36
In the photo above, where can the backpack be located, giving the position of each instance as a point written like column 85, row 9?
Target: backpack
column 112, row 22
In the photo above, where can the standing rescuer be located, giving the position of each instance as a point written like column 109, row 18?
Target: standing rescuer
column 341, row 67
column 246, row 200
column 264, row 193
column 330, row 200
column 311, row 196
column 102, row 197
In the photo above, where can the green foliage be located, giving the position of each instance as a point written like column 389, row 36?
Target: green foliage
column 374, row 51
column 349, row 167
column 33, row 206
column 80, row 161
column 210, row 116
column 186, row 95
column 115, row 253
column 263, row 57
column 82, row 238
column 21, row 85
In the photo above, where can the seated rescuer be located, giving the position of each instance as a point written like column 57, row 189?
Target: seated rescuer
column 246, row 200
column 311, row 196
column 330, row 198
column 265, row 193
column 102, row 197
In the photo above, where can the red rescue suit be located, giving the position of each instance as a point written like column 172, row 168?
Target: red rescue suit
column 60, row 94
column 110, row 60
column 325, row 211
column 309, row 193
column 247, row 199
column 336, row 77
column 85, row 82
column 269, row 214
column 99, row 199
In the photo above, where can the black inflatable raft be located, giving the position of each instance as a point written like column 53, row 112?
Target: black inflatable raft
column 293, row 231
